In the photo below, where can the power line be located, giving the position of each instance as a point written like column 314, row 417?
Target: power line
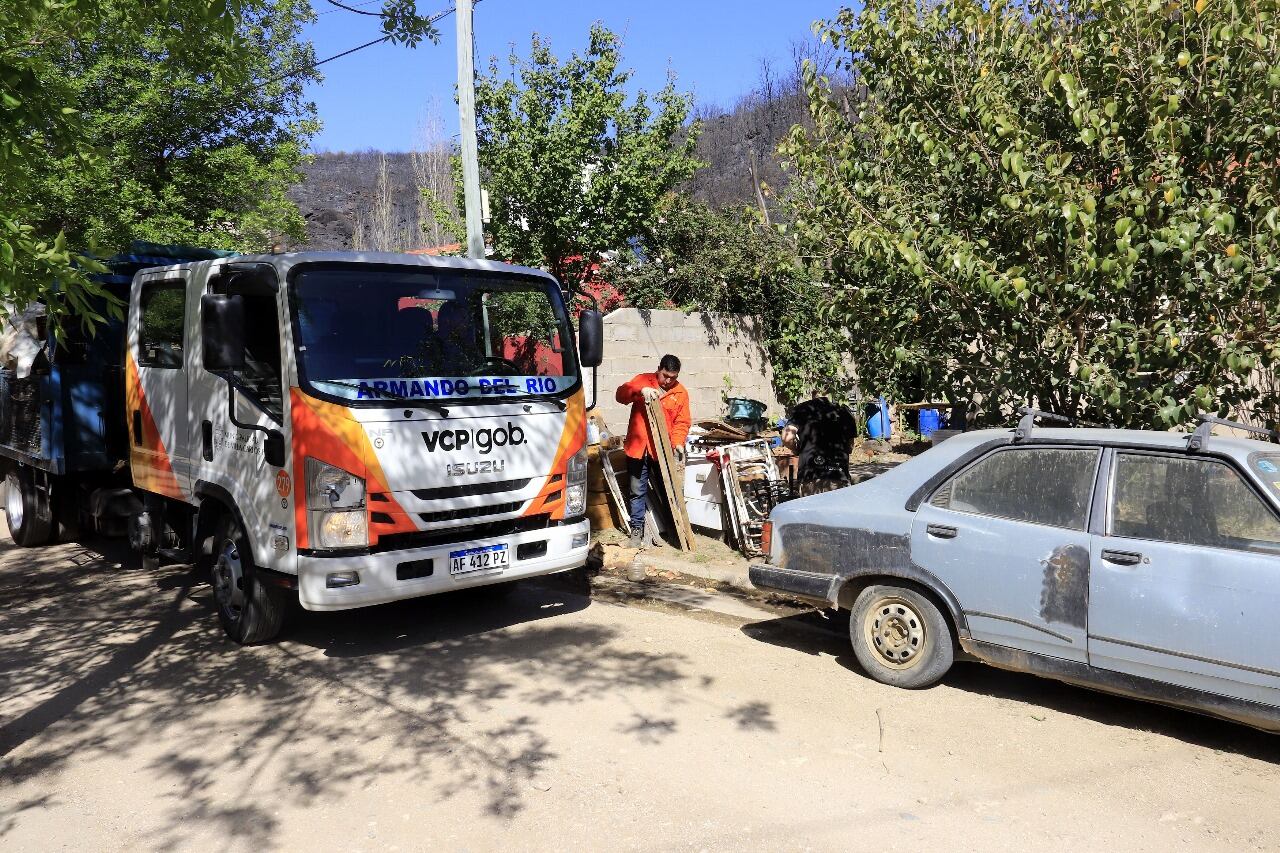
column 302, row 69
column 354, row 9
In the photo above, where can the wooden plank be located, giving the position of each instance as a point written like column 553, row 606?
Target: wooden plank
column 671, row 472
column 615, row 492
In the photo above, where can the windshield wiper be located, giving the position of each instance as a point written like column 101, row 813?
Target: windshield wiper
column 426, row 404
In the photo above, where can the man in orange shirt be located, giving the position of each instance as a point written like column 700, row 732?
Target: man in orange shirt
column 639, row 446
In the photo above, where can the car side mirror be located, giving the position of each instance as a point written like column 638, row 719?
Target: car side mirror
column 222, row 331
column 590, row 337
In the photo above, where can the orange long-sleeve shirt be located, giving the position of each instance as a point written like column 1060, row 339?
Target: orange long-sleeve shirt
column 675, row 405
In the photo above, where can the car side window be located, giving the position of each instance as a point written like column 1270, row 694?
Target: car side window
column 1191, row 502
column 1040, row 485
column 163, row 318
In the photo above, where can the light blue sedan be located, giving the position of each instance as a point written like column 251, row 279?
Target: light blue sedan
column 1139, row 563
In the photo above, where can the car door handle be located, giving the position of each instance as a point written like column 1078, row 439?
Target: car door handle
column 137, row 427
column 941, row 531
column 1122, row 558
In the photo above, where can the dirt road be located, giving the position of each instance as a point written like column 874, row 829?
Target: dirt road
column 551, row 720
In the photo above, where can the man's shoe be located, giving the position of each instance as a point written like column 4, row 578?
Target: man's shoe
column 637, row 539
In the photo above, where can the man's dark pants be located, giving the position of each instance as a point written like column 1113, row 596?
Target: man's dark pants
column 638, row 471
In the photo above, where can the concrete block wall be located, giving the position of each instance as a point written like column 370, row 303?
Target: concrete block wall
column 720, row 356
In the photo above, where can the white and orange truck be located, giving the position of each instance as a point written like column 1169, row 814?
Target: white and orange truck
column 343, row 429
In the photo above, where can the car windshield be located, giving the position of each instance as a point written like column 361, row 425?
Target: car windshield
column 387, row 335
column 1267, row 467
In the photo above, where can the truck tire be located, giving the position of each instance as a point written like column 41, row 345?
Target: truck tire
column 900, row 637
column 250, row 611
column 26, row 509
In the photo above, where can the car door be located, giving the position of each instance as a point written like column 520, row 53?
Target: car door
column 1009, row 536
column 156, row 387
column 1185, row 581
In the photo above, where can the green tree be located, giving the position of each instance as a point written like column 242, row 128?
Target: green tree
column 180, row 121
column 571, row 168
column 1068, row 203
column 697, row 258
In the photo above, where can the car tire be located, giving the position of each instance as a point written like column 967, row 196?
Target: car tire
column 27, row 511
column 250, row 611
column 900, row 637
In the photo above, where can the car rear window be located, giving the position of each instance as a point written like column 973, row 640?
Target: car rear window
column 1040, row 485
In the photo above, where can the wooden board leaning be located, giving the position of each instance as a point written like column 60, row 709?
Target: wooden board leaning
column 671, row 473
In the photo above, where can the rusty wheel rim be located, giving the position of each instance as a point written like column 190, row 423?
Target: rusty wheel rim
column 895, row 631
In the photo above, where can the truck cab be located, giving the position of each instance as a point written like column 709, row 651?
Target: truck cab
column 354, row 429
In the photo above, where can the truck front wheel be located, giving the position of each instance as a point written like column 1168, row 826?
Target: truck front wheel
column 250, row 611
column 26, row 509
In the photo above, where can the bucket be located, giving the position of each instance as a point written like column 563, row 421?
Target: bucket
column 930, row 422
column 879, row 424
column 742, row 409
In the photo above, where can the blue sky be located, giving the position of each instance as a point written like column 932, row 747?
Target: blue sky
column 376, row 98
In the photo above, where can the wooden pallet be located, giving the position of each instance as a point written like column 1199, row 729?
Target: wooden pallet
column 671, row 472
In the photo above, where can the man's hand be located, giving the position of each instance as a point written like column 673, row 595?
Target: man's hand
column 650, row 394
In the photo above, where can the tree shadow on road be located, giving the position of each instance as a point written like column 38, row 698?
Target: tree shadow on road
column 443, row 696
column 812, row 634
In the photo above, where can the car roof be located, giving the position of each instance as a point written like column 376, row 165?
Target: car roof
column 1154, row 439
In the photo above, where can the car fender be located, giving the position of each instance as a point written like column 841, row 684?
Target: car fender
column 858, row 577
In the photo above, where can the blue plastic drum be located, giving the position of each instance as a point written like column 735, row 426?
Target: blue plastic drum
column 879, row 425
column 930, row 422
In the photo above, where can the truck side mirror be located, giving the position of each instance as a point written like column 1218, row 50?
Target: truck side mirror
column 222, row 331
column 590, row 337
column 273, row 448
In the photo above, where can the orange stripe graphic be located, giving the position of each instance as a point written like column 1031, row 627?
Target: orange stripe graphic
column 149, row 462
column 328, row 432
column 551, row 498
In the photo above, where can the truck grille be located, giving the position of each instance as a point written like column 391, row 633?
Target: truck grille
column 470, row 489
column 470, row 512
column 465, row 533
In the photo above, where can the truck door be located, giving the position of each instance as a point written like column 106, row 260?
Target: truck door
column 233, row 412
column 156, row 386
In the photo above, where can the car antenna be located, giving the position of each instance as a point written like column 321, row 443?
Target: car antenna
column 1199, row 440
column 1028, row 421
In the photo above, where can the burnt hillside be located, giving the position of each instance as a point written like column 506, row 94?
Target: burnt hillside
column 340, row 184
column 738, row 145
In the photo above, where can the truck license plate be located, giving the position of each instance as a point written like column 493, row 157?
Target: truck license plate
column 488, row 558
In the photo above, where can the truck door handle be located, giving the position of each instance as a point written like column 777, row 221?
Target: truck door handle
column 206, row 440
column 1122, row 558
column 137, row 427
column 941, row 531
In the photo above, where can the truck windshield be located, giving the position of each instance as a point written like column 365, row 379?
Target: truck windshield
column 388, row 335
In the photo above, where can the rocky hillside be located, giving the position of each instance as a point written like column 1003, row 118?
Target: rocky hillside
column 340, row 187
column 737, row 145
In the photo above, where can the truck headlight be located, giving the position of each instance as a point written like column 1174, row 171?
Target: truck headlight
column 575, row 500
column 329, row 487
column 336, row 507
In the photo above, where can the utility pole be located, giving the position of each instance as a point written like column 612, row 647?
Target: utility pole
column 467, row 130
